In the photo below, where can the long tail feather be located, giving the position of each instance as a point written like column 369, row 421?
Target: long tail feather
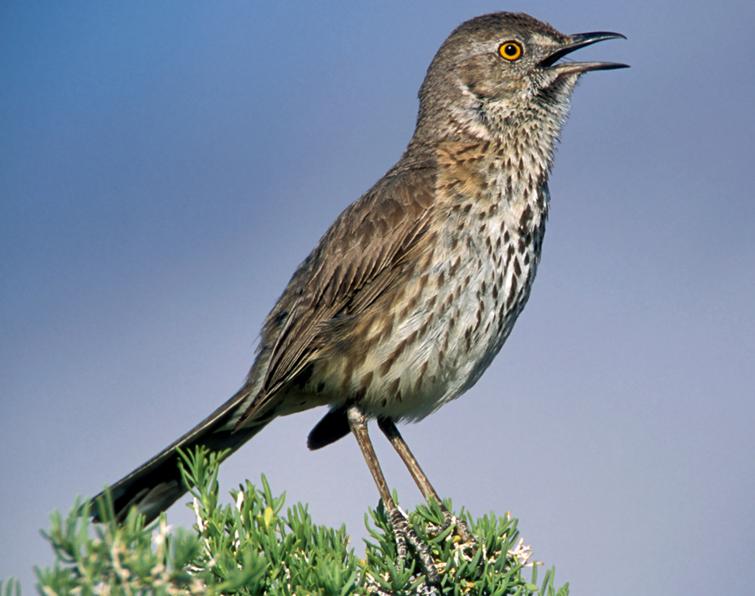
column 156, row 485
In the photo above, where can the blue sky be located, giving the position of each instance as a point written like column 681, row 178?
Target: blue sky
column 164, row 167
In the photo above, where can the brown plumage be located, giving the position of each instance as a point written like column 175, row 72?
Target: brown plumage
column 414, row 288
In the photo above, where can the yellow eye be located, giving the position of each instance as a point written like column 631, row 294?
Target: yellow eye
column 511, row 50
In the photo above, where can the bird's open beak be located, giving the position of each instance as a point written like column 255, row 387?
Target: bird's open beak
column 576, row 41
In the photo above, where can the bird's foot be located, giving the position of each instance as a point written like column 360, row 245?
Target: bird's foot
column 459, row 525
column 406, row 538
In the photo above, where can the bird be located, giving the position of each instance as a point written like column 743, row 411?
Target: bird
column 413, row 290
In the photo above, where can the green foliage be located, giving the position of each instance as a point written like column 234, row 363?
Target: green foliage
column 254, row 546
column 10, row 587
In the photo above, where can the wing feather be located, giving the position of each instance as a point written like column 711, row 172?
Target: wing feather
column 357, row 258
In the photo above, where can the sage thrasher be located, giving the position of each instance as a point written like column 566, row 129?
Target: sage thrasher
column 412, row 291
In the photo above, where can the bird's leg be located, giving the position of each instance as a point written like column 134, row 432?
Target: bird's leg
column 402, row 531
column 423, row 483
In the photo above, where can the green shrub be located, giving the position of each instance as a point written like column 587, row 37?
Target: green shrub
column 254, row 546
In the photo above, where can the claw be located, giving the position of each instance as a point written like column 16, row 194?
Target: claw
column 405, row 535
column 459, row 524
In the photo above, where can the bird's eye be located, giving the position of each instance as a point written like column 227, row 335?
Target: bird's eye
column 511, row 50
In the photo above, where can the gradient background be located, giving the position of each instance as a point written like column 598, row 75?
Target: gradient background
column 165, row 166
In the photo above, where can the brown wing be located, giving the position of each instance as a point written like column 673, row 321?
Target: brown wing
column 354, row 262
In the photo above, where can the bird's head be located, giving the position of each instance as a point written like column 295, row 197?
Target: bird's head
column 501, row 71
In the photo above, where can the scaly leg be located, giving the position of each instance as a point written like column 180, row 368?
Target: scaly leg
column 423, row 483
column 402, row 531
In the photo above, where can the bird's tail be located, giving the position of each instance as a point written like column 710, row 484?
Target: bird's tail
column 156, row 485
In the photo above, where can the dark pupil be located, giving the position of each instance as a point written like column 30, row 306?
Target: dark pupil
column 510, row 50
